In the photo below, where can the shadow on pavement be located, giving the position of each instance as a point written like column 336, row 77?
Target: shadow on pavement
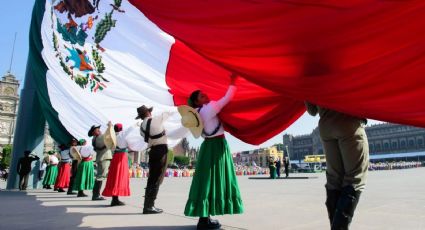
column 21, row 211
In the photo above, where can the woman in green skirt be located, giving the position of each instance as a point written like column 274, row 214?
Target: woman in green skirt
column 214, row 189
column 272, row 167
column 84, row 180
column 51, row 170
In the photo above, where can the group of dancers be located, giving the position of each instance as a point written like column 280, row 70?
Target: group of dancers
column 214, row 189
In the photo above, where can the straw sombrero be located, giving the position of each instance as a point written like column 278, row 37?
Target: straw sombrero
column 110, row 138
column 191, row 120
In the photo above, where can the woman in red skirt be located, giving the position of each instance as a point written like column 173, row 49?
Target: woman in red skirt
column 118, row 181
column 64, row 174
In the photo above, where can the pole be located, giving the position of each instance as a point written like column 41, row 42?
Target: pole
column 11, row 57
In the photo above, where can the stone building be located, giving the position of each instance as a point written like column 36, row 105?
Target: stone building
column 383, row 139
column 9, row 100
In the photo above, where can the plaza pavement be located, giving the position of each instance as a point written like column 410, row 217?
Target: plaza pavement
column 392, row 200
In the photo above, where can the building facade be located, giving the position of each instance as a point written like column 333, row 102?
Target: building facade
column 9, row 100
column 259, row 157
column 383, row 139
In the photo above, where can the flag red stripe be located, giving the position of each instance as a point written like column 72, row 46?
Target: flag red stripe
column 363, row 57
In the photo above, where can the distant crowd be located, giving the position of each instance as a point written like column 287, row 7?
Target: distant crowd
column 395, row 165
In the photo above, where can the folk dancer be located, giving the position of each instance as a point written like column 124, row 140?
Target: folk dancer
column 214, row 189
column 103, row 157
column 118, row 181
column 84, row 179
column 152, row 129
column 51, row 170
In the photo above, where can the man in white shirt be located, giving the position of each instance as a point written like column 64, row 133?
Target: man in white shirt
column 152, row 129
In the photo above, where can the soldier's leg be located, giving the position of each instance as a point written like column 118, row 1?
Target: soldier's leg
column 355, row 155
column 334, row 175
column 102, row 172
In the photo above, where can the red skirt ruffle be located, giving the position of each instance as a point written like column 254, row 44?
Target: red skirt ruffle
column 64, row 175
column 118, row 181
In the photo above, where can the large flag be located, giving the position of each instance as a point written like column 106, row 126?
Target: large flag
column 100, row 60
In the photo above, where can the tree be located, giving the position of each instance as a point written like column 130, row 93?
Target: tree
column 6, row 157
column 170, row 157
column 181, row 160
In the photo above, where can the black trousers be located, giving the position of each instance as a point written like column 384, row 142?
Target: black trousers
column 157, row 165
column 23, row 180
column 74, row 168
column 157, row 168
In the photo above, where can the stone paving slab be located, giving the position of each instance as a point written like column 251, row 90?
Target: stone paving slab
column 392, row 200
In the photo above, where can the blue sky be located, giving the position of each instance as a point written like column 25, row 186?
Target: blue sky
column 16, row 16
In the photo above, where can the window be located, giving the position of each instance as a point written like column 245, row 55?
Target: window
column 386, row 146
column 420, row 142
column 403, row 144
column 394, row 145
column 411, row 143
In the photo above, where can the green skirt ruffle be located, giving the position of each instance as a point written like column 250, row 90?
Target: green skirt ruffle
column 214, row 189
column 51, row 174
column 85, row 176
column 273, row 172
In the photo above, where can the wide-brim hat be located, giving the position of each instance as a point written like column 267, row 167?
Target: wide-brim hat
column 191, row 120
column 93, row 127
column 110, row 138
column 142, row 110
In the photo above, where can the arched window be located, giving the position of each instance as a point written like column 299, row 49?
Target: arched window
column 403, row 144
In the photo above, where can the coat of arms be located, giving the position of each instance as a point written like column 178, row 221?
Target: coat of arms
column 79, row 28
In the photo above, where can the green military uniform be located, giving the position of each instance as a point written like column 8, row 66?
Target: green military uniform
column 347, row 158
column 103, row 160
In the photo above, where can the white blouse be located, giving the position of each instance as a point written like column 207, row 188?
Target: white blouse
column 121, row 140
column 209, row 112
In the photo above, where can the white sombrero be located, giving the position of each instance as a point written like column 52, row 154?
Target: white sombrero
column 191, row 120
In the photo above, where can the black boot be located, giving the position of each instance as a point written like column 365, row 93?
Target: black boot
column 61, row 190
column 81, row 194
column 150, row 196
column 71, row 185
column 96, row 191
column 70, row 192
column 332, row 197
column 345, row 208
column 48, row 187
column 215, row 223
column 116, row 202
column 205, row 223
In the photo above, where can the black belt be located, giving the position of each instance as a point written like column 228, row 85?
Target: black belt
column 158, row 135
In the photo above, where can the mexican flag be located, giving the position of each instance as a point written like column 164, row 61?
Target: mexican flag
column 95, row 61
